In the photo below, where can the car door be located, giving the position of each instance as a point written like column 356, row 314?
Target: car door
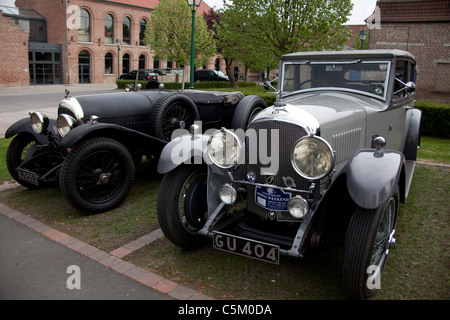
column 402, row 104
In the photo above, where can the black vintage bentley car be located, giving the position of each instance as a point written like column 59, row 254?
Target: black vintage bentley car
column 92, row 148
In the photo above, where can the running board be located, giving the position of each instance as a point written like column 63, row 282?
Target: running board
column 410, row 166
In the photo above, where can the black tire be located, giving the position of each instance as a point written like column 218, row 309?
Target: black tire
column 152, row 85
column 172, row 111
column 97, row 175
column 246, row 110
column 182, row 206
column 367, row 244
column 21, row 148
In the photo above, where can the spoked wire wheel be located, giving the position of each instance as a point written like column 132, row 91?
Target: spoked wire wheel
column 97, row 175
column 369, row 240
column 171, row 112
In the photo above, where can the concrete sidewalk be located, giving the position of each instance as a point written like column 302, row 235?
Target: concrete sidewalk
column 54, row 88
column 34, row 262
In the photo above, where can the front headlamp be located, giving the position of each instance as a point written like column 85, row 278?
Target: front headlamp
column 39, row 122
column 298, row 207
column 224, row 148
column 64, row 123
column 312, row 157
column 227, row 194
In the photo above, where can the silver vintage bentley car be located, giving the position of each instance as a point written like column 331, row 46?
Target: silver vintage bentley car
column 328, row 163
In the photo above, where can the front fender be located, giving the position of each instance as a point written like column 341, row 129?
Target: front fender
column 181, row 150
column 373, row 177
column 23, row 125
column 104, row 129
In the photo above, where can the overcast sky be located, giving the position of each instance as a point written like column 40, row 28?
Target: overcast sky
column 362, row 9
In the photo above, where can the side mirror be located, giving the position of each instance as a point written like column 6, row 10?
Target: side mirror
column 410, row 86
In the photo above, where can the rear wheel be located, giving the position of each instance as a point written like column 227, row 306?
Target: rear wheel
column 369, row 239
column 97, row 175
column 182, row 208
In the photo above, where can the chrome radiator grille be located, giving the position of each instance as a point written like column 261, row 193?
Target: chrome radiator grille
column 288, row 135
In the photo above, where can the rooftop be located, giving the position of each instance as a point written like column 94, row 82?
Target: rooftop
column 414, row 10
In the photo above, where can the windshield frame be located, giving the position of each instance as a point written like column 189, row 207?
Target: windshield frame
column 284, row 64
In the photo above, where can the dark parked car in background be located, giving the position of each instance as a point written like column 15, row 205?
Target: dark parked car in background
column 329, row 163
column 209, row 75
column 143, row 75
column 92, row 147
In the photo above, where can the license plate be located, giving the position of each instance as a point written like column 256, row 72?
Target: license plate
column 272, row 198
column 28, row 176
column 246, row 247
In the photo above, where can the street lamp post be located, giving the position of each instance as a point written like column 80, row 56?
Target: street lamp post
column 118, row 57
column 193, row 4
column 362, row 37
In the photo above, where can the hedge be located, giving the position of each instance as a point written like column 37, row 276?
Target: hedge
column 435, row 118
column 198, row 85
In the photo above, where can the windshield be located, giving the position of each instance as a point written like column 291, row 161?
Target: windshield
column 367, row 76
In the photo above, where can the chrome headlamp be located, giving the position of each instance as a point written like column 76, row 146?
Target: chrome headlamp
column 227, row 194
column 64, row 123
column 312, row 157
column 298, row 207
column 224, row 148
column 39, row 122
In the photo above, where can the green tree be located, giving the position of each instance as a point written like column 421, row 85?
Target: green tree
column 267, row 29
column 169, row 34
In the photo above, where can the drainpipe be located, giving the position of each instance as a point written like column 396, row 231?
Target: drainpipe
column 67, row 46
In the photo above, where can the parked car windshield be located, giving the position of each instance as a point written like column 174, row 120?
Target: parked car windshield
column 370, row 77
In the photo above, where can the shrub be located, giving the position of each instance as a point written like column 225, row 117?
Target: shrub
column 435, row 118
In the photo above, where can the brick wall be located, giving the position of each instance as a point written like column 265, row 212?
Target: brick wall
column 55, row 13
column 430, row 44
column 13, row 54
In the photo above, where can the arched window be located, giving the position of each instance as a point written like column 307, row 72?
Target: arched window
column 142, row 27
column 108, row 63
column 84, row 32
column 142, row 61
column 125, row 63
column 84, row 67
column 109, row 29
column 126, row 30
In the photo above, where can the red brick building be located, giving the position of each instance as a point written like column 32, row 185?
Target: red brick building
column 421, row 27
column 56, row 47
column 13, row 54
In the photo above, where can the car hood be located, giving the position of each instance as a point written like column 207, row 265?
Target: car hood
column 128, row 109
column 319, row 110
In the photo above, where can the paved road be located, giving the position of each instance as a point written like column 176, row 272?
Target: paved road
column 17, row 102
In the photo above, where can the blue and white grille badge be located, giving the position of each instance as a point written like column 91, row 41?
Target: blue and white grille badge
column 251, row 176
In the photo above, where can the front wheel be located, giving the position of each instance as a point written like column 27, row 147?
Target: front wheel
column 22, row 148
column 97, row 175
column 182, row 207
column 369, row 239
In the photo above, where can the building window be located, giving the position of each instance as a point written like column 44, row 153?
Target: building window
column 156, row 63
column 35, row 28
column 142, row 27
column 108, row 63
column 109, row 29
column 84, row 67
column 126, row 63
column 84, row 34
column 142, row 61
column 126, row 30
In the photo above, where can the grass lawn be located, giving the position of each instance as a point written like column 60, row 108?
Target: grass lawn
column 417, row 268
